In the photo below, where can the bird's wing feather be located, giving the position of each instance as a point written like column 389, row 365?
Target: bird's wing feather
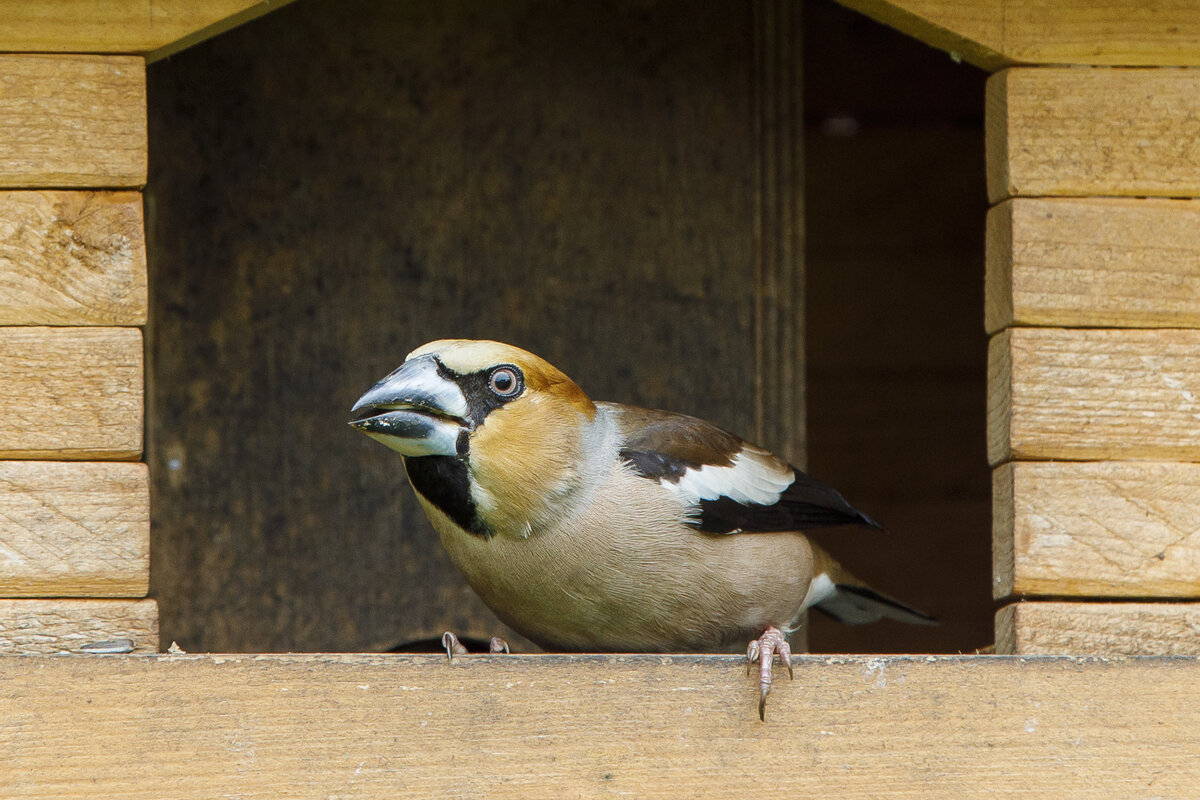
column 727, row 484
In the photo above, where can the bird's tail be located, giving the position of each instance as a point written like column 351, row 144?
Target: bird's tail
column 850, row 601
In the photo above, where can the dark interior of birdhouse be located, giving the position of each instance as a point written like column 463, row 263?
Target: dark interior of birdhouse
column 336, row 183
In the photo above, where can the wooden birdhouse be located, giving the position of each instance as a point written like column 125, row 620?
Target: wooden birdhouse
column 774, row 216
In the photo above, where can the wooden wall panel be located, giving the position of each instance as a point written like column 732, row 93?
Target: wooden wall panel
column 994, row 33
column 1094, row 262
column 70, row 393
column 329, row 195
column 72, row 120
column 1098, row 529
column 52, row 627
column 1094, row 394
column 1063, row 131
column 949, row 728
column 72, row 258
column 74, row 529
column 1110, row 629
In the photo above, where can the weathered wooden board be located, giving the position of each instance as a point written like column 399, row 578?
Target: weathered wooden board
column 551, row 727
column 70, row 393
column 1094, row 394
column 72, row 121
column 972, row 30
column 1093, row 262
column 482, row 123
column 1096, row 529
column 49, row 627
column 1134, row 629
column 991, row 33
column 1062, row 131
column 72, row 258
column 74, row 529
column 120, row 26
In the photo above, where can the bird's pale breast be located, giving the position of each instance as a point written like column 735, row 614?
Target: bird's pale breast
column 626, row 574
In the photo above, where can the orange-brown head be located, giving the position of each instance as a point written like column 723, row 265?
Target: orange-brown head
column 492, row 434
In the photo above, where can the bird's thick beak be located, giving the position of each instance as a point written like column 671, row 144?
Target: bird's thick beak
column 415, row 411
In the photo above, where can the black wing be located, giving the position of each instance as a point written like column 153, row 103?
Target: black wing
column 732, row 485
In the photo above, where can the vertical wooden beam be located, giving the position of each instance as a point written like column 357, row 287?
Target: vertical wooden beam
column 779, row 235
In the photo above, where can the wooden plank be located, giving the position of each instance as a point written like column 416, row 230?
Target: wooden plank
column 972, row 30
column 1115, row 32
column 1096, row 529
column 120, row 26
column 51, row 627
column 72, row 258
column 74, row 529
column 72, row 121
column 70, row 393
column 1095, row 394
column 1135, row 629
column 592, row 726
column 1093, row 262
column 1062, row 131
column 994, row 33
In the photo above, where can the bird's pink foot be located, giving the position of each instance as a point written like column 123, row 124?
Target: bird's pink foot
column 763, row 650
column 456, row 648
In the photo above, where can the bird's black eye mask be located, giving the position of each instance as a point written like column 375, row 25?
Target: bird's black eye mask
column 487, row 389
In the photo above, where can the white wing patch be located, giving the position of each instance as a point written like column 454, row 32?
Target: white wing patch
column 755, row 476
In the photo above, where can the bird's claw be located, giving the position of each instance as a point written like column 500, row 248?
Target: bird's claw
column 454, row 647
column 763, row 650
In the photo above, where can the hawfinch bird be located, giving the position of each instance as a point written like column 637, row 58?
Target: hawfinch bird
column 593, row 526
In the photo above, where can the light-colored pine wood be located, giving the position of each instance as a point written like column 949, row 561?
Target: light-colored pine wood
column 1093, row 262
column 992, row 33
column 1094, row 394
column 1096, row 529
column 72, row 258
column 1134, row 629
column 120, row 26
column 74, row 529
column 1063, row 131
column 968, row 29
column 70, row 393
column 50, row 627
column 934, row 728
column 72, row 121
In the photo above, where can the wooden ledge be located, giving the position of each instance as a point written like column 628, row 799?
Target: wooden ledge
column 155, row 29
column 557, row 726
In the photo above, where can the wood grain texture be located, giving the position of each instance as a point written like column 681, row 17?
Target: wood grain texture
column 74, row 529
column 951, row 728
column 1097, row 529
column 72, row 258
column 1094, row 394
column 72, row 121
column 1093, row 262
column 119, row 26
column 992, row 33
column 52, row 627
column 779, row 301
column 1133, row 629
column 70, row 393
column 1061, row 131
column 486, row 189
column 972, row 30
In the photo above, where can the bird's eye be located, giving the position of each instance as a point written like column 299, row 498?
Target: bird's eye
column 505, row 382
